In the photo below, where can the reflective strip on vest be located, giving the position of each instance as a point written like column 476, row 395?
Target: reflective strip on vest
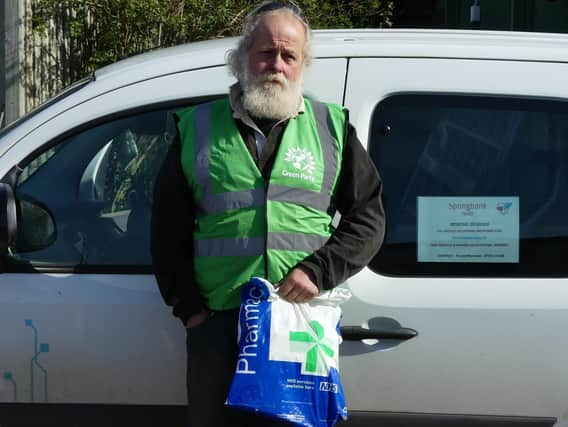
column 229, row 246
column 251, row 246
column 282, row 193
column 217, row 203
column 295, row 241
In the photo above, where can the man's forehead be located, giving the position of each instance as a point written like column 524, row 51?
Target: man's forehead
column 279, row 27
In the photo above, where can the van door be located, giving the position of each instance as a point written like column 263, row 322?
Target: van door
column 84, row 329
column 473, row 156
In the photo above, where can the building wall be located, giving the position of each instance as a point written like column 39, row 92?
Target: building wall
column 551, row 16
column 517, row 15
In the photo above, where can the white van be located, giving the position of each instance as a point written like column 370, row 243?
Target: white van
column 462, row 318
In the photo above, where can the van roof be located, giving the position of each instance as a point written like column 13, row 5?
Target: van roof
column 417, row 43
column 466, row 44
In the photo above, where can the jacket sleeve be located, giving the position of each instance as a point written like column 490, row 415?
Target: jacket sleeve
column 171, row 236
column 361, row 230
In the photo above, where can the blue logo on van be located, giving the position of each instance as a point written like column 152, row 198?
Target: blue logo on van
column 8, row 377
column 39, row 348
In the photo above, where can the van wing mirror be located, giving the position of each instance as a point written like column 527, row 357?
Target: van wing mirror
column 25, row 223
column 8, row 221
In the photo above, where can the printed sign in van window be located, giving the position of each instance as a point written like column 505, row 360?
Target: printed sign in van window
column 468, row 229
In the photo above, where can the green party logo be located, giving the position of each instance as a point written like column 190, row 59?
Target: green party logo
column 301, row 159
column 314, row 342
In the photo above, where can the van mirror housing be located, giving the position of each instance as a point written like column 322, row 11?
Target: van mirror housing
column 8, row 221
column 25, row 224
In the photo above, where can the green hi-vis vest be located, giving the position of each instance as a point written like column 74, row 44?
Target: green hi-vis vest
column 244, row 225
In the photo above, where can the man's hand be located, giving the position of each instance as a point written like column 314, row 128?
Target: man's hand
column 198, row 318
column 297, row 286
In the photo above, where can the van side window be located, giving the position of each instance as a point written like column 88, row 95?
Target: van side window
column 473, row 185
column 98, row 186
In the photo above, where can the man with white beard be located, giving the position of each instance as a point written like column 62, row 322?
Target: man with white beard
column 249, row 188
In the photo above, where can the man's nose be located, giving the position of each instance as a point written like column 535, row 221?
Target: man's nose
column 277, row 64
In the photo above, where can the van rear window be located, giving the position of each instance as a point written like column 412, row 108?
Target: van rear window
column 473, row 185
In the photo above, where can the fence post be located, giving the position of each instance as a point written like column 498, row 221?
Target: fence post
column 12, row 73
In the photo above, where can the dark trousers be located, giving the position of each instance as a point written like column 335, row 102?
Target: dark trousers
column 212, row 355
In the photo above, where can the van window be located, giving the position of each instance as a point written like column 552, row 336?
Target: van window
column 98, row 186
column 473, row 185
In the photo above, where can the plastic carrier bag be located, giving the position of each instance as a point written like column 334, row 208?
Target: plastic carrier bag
column 287, row 365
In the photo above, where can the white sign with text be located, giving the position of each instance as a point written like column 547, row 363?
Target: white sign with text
column 468, row 229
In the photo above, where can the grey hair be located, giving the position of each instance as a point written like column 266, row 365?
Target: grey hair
column 237, row 59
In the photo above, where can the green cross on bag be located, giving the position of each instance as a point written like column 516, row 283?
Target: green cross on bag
column 318, row 347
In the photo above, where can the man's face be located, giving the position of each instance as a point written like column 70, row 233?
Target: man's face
column 278, row 47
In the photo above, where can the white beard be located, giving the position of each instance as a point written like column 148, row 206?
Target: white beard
column 271, row 96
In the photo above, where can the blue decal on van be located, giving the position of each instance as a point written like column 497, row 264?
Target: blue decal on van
column 8, row 377
column 38, row 349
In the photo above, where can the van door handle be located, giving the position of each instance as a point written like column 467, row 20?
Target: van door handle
column 355, row 333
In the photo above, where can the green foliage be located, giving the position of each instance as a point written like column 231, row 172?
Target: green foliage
column 348, row 13
column 93, row 33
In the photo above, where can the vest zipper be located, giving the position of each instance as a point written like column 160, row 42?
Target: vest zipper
column 266, row 230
